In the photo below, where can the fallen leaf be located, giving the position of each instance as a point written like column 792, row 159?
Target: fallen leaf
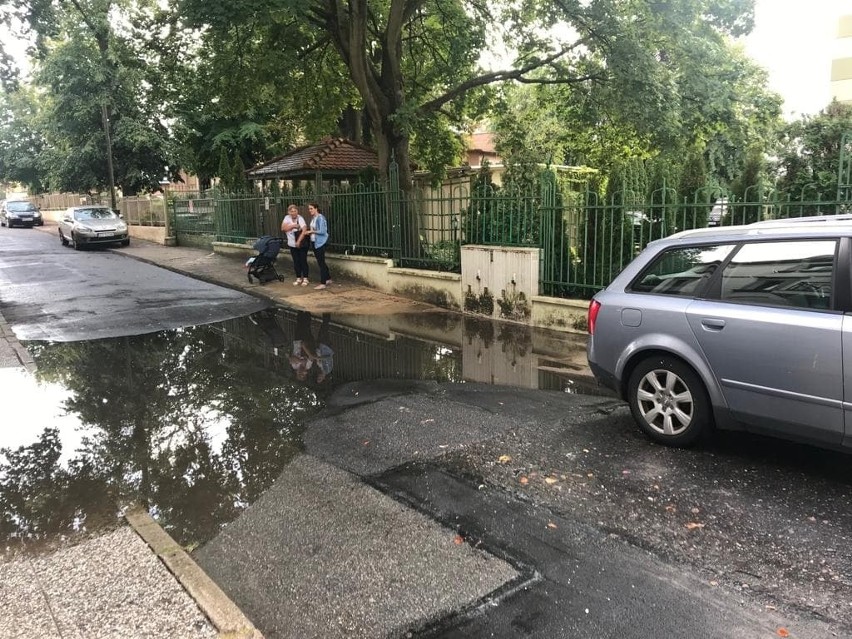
column 551, row 525
column 524, row 480
column 550, row 480
column 693, row 525
column 504, row 459
column 671, row 508
column 458, row 540
column 783, row 632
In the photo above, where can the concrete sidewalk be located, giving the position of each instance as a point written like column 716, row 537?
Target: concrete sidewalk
column 343, row 296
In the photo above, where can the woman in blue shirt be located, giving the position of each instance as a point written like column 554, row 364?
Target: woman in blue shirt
column 319, row 237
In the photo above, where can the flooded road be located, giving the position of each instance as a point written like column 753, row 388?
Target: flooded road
column 197, row 422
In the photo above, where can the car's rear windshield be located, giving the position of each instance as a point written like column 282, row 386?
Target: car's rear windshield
column 20, row 207
column 94, row 214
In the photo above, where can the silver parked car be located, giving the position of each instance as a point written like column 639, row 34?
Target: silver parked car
column 742, row 327
column 91, row 225
column 20, row 213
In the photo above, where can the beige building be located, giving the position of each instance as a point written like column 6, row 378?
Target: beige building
column 841, row 66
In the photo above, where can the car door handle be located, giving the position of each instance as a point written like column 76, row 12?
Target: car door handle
column 712, row 324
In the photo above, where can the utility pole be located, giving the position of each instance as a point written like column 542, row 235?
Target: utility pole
column 105, row 116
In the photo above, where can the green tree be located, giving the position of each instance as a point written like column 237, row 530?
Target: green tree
column 90, row 74
column 749, row 190
column 694, row 193
column 809, row 158
column 253, row 81
column 681, row 85
column 22, row 141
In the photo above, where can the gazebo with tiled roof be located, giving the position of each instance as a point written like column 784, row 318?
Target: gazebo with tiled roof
column 332, row 159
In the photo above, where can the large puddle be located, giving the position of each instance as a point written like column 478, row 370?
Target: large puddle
column 196, row 423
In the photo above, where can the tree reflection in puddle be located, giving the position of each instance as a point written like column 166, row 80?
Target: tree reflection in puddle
column 196, row 423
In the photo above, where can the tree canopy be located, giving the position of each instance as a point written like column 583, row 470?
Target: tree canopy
column 187, row 82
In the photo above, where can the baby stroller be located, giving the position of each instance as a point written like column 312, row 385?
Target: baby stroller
column 262, row 265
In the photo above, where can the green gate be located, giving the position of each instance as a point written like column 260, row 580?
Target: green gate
column 193, row 221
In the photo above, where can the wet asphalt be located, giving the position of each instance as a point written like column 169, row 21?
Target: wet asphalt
column 571, row 523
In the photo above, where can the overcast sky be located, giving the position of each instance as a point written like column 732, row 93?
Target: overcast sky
column 795, row 41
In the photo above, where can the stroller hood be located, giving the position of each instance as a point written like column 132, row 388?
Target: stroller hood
column 268, row 246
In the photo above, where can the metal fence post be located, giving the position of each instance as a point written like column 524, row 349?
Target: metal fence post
column 844, row 170
column 395, row 197
column 548, row 241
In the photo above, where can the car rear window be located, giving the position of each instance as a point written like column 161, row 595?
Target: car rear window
column 797, row 274
column 681, row 272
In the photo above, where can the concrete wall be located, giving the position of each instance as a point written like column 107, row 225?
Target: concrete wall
column 440, row 289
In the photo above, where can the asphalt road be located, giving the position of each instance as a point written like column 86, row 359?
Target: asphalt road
column 55, row 293
column 572, row 523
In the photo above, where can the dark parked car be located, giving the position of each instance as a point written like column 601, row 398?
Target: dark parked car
column 20, row 213
column 740, row 327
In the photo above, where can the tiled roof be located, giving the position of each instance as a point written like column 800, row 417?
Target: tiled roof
column 329, row 155
column 481, row 141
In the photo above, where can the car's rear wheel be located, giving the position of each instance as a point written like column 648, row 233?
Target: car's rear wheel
column 669, row 401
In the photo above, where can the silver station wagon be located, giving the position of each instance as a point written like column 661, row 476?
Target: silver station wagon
column 743, row 327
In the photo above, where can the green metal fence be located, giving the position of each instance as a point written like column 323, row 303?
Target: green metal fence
column 585, row 238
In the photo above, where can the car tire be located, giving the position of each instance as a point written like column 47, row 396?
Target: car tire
column 74, row 243
column 62, row 238
column 669, row 402
column 125, row 242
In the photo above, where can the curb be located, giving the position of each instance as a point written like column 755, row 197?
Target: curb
column 21, row 353
column 228, row 619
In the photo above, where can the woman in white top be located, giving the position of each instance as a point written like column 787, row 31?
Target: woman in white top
column 294, row 225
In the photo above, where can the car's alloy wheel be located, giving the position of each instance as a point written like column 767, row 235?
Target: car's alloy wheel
column 669, row 401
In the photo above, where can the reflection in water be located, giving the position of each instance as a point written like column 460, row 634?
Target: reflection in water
column 196, row 423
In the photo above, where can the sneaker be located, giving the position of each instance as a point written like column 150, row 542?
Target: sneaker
column 327, row 282
column 297, row 282
column 305, row 282
column 319, row 287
